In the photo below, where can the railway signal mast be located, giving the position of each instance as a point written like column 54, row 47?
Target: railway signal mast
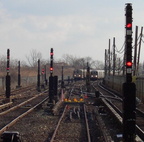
column 51, row 62
column 8, row 78
column 51, row 87
column 88, row 78
column 53, row 81
column 129, row 88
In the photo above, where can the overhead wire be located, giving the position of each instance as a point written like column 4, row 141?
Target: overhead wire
column 121, row 49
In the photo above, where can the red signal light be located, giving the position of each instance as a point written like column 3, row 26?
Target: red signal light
column 42, row 71
column 129, row 25
column 51, row 69
column 51, row 54
column 129, row 64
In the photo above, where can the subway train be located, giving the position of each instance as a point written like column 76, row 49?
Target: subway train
column 93, row 75
column 80, row 74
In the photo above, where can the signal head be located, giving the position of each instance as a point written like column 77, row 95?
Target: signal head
column 129, row 64
column 129, row 25
column 51, row 69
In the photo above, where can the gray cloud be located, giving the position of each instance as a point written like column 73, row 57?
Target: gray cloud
column 79, row 28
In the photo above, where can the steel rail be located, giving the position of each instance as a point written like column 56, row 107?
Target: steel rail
column 118, row 114
column 87, row 126
column 57, row 126
column 5, row 105
column 23, row 103
column 21, row 116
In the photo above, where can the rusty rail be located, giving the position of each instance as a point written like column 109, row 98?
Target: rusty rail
column 21, row 116
column 54, row 134
column 87, row 126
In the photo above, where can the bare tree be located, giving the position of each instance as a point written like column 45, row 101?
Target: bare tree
column 81, row 63
column 69, row 59
column 98, row 65
column 33, row 57
column 3, row 63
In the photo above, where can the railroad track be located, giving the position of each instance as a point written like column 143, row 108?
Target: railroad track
column 20, row 90
column 114, row 102
column 18, row 95
column 13, row 119
column 71, row 124
column 70, row 128
column 17, row 99
column 11, row 116
column 80, row 121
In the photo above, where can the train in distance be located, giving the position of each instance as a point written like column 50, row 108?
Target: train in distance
column 80, row 74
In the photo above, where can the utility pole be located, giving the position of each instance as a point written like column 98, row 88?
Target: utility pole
column 105, row 62
column 109, row 58
column 141, row 34
column 129, row 88
column 114, row 58
column 135, row 52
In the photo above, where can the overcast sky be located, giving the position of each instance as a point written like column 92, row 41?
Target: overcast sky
column 80, row 28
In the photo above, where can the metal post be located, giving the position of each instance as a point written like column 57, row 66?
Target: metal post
column 19, row 76
column 88, row 78
column 8, row 78
column 45, row 76
column 55, row 87
column 38, row 77
column 62, row 79
column 51, row 90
